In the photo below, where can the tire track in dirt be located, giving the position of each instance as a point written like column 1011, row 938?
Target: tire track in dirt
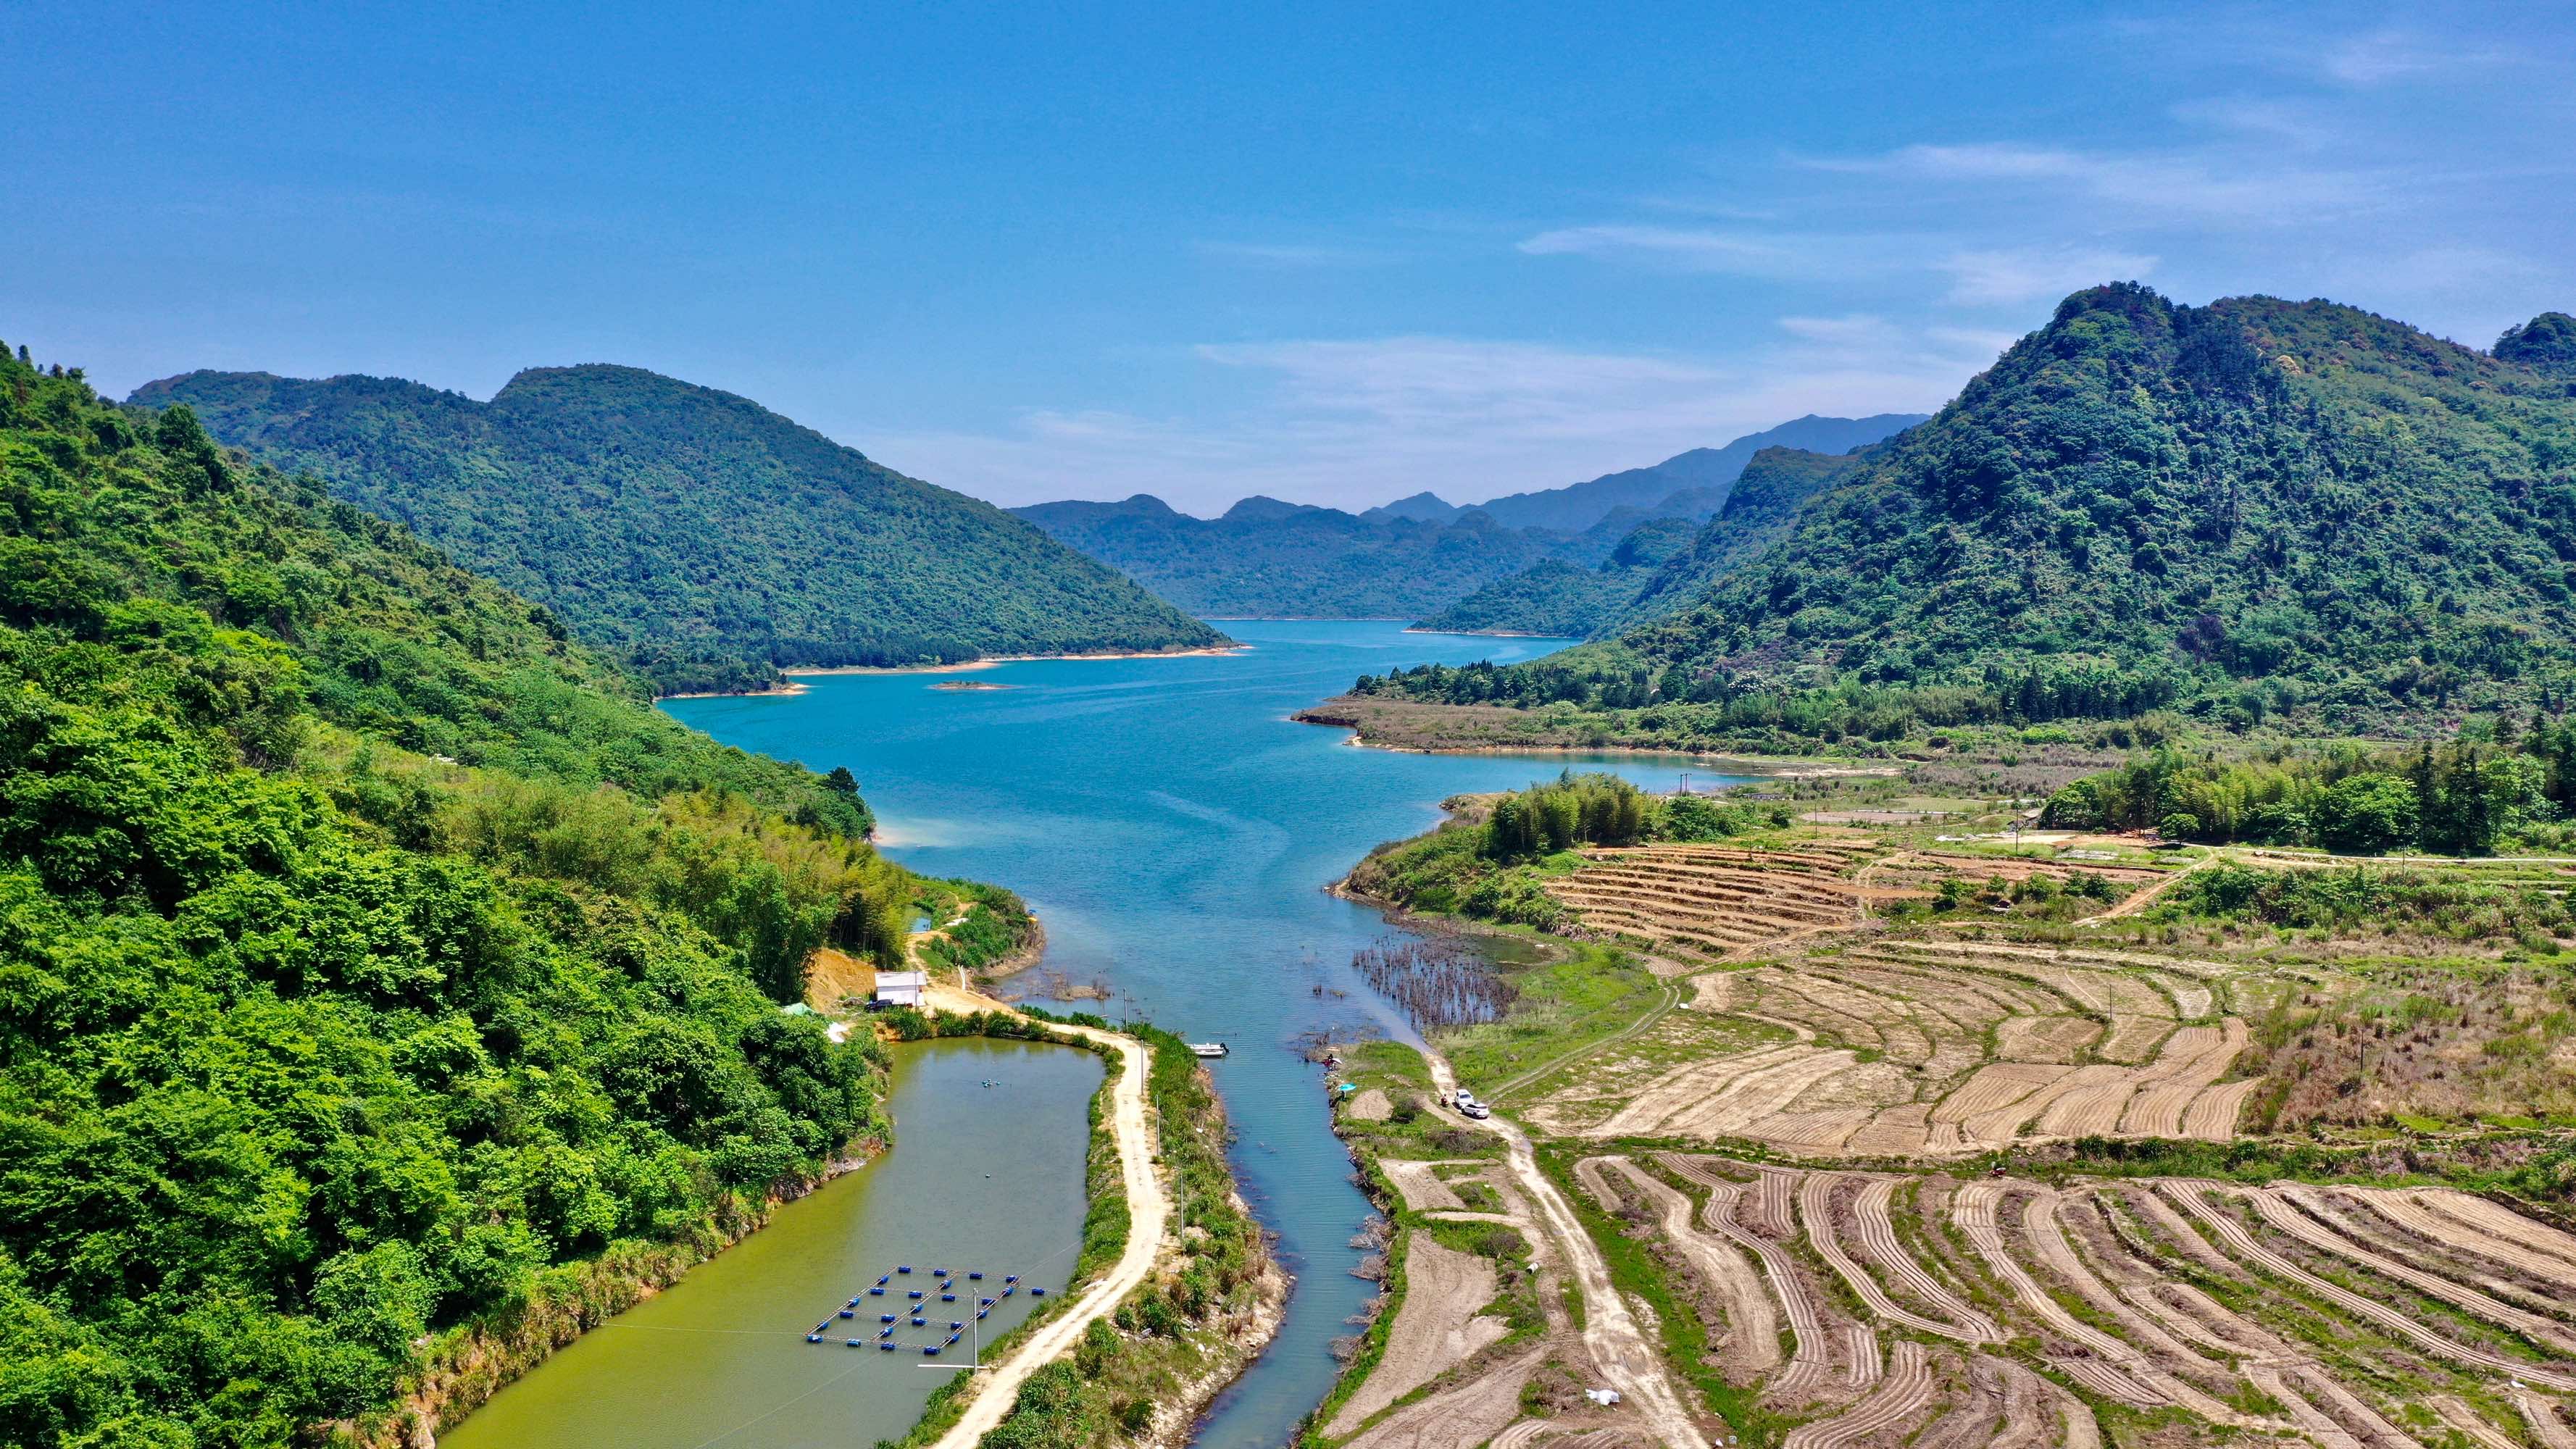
column 1753, row 1329
column 1610, row 1332
column 1811, row 1361
column 1906, row 1392
column 1876, row 1232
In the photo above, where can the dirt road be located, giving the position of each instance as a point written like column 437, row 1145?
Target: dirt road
column 1149, row 1215
column 1610, row 1331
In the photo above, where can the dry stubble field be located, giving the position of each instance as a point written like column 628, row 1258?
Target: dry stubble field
column 1790, row 1147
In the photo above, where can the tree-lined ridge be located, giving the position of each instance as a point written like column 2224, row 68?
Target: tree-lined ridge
column 703, row 538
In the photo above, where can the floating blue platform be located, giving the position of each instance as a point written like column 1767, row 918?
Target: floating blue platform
column 891, row 1337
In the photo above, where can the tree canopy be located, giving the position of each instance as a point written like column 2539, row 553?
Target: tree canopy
column 2253, row 509
column 366, row 944
column 701, row 537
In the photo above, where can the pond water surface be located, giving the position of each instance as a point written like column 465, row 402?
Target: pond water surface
column 986, row 1173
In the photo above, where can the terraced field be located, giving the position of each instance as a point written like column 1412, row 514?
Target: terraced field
column 1883, row 1309
column 1724, row 903
column 1906, row 1048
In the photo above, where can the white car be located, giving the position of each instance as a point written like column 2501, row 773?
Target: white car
column 1476, row 1109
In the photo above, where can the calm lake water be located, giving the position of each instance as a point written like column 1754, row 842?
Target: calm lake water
column 1175, row 833
column 982, row 1177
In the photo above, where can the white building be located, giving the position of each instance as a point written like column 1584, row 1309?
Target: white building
column 902, row 988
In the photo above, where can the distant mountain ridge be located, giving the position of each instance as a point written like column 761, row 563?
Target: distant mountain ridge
column 705, row 538
column 1578, row 506
column 1661, row 567
column 1417, row 555
column 1268, row 559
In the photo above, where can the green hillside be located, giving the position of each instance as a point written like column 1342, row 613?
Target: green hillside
column 1661, row 567
column 374, row 961
column 702, row 537
column 2255, row 511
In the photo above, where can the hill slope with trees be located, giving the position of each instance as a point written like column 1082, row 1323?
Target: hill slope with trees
column 703, row 538
column 1657, row 569
column 2255, row 510
column 375, row 962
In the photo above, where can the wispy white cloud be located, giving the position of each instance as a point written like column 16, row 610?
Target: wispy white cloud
column 1698, row 249
column 1355, row 422
column 2246, row 187
column 2022, row 274
column 2380, row 56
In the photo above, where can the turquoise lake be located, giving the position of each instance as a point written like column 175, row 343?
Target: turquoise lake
column 1175, row 832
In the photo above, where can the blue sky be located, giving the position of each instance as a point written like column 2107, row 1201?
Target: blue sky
column 1327, row 252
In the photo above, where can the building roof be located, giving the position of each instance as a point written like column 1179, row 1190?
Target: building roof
column 898, row 979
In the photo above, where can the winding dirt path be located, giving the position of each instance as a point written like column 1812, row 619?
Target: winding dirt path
column 1610, row 1332
column 1149, row 1208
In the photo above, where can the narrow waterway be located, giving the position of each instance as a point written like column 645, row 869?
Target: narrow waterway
column 1175, row 832
column 986, row 1175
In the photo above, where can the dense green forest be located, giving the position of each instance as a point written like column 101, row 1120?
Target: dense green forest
column 2256, row 511
column 2497, row 786
column 367, row 947
column 699, row 536
column 1661, row 567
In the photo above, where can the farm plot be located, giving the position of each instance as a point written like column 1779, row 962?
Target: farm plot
column 1719, row 902
column 1905, row 1048
column 2016, row 1311
column 1438, row 1327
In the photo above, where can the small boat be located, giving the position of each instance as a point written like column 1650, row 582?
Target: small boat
column 886, row 1347
column 977, row 1275
column 813, row 1338
column 1037, row 1293
column 1208, row 1048
column 947, row 1297
column 849, row 1313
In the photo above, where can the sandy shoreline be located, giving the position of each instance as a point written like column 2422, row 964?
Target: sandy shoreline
column 793, row 686
column 991, row 660
column 1776, row 767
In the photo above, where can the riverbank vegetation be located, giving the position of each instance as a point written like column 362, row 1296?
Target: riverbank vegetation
column 1143, row 1373
column 376, row 967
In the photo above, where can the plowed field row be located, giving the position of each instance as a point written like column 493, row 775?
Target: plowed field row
column 2108, row 1288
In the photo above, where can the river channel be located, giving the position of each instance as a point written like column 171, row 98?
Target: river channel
column 1175, row 833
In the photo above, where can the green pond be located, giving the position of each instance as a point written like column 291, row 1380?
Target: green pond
column 986, row 1174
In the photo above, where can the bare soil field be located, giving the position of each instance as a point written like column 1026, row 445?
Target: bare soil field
column 2011, row 1310
column 1438, row 1328
column 1907, row 1049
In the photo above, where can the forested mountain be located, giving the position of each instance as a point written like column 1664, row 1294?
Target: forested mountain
column 1579, row 506
column 1564, row 599
column 702, row 537
column 1268, row 559
column 1659, row 568
column 1417, row 555
column 372, row 956
column 2252, row 509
